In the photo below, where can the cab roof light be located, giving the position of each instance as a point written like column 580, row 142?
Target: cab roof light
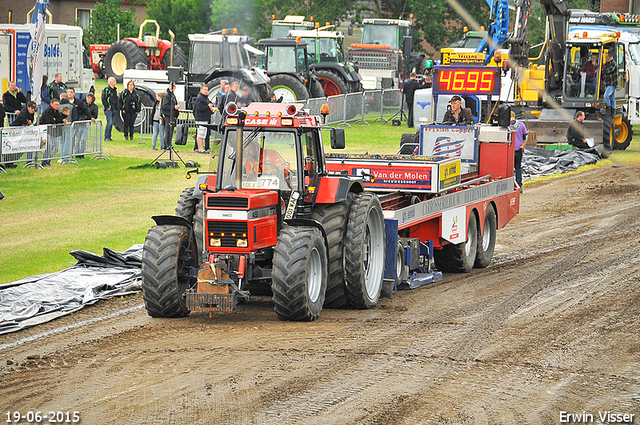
column 311, row 18
column 235, row 30
column 324, row 109
column 317, row 25
column 584, row 34
column 224, row 31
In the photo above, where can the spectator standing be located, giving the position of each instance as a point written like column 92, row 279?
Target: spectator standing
column 23, row 119
column 2, row 114
column 110, row 104
column 130, row 106
column 231, row 96
column 520, row 135
column 245, row 99
column 56, row 87
column 44, row 94
column 408, row 89
column 224, row 89
column 88, row 112
column 158, row 129
column 13, row 100
column 170, row 113
column 52, row 116
column 202, row 114
column 610, row 82
column 66, row 110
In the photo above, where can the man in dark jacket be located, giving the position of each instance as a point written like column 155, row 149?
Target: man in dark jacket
column 170, row 113
column 458, row 115
column 575, row 132
column 56, row 87
column 25, row 117
column 408, row 89
column 52, row 116
column 110, row 103
column 13, row 100
column 610, row 82
column 130, row 106
column 202, row 114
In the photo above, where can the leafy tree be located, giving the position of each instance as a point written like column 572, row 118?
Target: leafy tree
column 105, row 19
column 183, row 17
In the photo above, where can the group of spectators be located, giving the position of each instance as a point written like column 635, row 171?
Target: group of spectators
column 59, row 106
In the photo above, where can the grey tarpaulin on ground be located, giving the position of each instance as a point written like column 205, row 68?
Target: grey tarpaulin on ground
column 39, row 299
column 538, row 162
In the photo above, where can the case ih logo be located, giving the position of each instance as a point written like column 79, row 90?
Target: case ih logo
column 261, row 121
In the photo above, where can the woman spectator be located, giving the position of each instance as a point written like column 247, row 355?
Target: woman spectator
column 158, row 128
column 130, row 106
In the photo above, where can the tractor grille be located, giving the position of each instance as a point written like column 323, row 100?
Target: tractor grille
column 232, row 230
column 227, row 202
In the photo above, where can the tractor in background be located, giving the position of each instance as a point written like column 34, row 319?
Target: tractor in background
column 145, row 52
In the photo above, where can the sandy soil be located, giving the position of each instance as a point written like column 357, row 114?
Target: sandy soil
column 550, row 327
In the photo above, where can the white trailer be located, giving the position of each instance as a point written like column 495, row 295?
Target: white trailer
column 63, row 53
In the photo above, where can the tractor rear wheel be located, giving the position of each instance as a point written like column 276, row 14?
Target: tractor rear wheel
column 459, row 258
column 179, row 58
column 334, row 220
column 299, row 275
column 168, row 252
column 123, row 55
column 315, row 88
column 332, row 84
column 408, row 139
column 623, row 134
column 289, row 87
column 364, row 251
column 487, row 241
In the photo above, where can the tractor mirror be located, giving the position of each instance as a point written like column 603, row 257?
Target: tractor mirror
column 350, row 30
column 407, row 44
column 337, row 138
column 174, row 73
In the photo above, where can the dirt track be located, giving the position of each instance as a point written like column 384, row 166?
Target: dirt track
column 551, row 326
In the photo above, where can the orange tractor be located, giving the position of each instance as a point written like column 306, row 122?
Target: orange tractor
column 147, row 52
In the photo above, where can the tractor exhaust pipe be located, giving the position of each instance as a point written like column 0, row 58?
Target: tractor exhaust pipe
column 173, row 37
column 239, row 148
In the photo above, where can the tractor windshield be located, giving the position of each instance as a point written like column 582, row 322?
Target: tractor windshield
column 381, row 34
column 205, row 57
column 330, row 51
column 582, row 71
column 281, row 59
column 269, row 159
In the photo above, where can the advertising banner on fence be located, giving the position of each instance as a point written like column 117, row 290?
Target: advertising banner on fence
column 24, row 139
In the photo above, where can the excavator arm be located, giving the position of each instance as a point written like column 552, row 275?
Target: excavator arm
column 498, row 28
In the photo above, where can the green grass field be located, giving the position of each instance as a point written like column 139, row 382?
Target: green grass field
column 47, row 213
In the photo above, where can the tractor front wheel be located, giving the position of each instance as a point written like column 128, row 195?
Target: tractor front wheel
column 168, row 253
column 289, row 87
column 299, row 275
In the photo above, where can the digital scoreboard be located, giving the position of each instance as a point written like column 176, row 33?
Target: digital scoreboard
column 466, row 80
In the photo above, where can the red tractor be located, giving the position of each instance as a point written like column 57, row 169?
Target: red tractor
column 146, row 52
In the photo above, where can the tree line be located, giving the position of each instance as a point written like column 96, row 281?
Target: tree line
column 437, row 22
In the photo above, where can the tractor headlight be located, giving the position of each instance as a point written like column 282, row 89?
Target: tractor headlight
column 215, row 242
column 242, row 243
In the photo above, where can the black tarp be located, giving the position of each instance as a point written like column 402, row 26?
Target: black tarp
column 538, row 162
column 39, row 299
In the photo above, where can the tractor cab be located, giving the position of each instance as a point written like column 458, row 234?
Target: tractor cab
column 281, row 150
column 585, row 56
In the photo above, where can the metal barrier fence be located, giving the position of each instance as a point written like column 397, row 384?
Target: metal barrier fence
column 344, row 108
column 64, row 143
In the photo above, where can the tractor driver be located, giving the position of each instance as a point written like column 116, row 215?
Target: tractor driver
column 270, row 162
column 591, row 69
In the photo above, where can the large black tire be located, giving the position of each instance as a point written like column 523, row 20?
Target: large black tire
column 459, row 258
column 315, row 88
column 623, row 135
column 408, row 139
column 179, row 58
column 299, row 275
column 167, row 251
column 334, row 220
column 332, row 84
column 147, row 99
column 487, row 241
column 191, row 209
column 123, row 55
column 364, row 251
column 289, row 87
